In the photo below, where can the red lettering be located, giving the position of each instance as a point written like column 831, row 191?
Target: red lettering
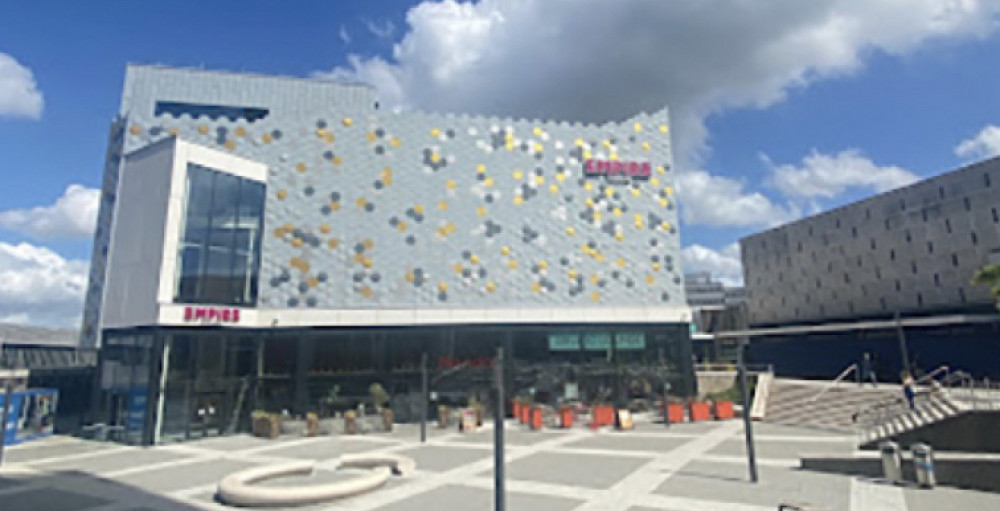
column 646, row 169
column 188, row 314
column 236, row 315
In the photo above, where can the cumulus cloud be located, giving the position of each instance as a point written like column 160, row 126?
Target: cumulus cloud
column 826, row 176
column 724, row 264
column 39, row 286
column 707, row 199
column 74, row 214
column 19, row 94
column 984, row 145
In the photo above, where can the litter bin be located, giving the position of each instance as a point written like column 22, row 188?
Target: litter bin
column 892, row 468
column 923, row 464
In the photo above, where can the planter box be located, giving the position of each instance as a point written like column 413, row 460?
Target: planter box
column 525, row 416
column 387, row 419
column 515, row 408
column 699, row 411
column 724, row 410
column 266, row 427
column 350, row 425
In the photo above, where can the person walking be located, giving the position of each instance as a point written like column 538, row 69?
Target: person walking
column 908, row 391
column 868, row 370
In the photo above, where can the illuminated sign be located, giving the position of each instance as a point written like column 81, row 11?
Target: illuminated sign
column 615, row 168
column 212, row 314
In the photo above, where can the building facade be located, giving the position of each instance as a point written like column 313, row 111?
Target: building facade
column 900, row 260
column 271, row 242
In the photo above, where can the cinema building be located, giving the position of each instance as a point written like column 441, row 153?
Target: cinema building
column 277, row 243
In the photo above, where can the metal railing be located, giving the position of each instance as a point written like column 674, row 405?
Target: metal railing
column 722, row 366
column 853, row 368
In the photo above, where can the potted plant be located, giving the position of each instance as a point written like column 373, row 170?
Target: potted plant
column 312, row 424
column 442, row 416
column 380, row 398
column 476, row 407
column 265, row 425
column 350, row 422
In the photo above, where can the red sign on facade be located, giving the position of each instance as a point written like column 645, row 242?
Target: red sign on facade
column 212, row 314
column 612, row 168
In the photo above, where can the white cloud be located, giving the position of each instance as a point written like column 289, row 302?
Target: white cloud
column 345, row 37
column 382, row 31
column 724, row 264
column 595, row 60
column 984, row 145
column 73, row 214
column 19, row 94
column 39, row 286
column 706, row 199
column 827, row 176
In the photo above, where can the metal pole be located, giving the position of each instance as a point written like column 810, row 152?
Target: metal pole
column 902, row 344
column 424, row 392
column 747, row 423
column 3, row 417
column 499, row 497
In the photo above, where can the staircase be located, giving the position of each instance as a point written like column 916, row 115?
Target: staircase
column 822, row 405
column 892, row 419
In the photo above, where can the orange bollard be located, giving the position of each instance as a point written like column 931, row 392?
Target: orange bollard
column 566, row 417
column 675, row 413
column 724, row 410
column 536, row 418
column 699, row 411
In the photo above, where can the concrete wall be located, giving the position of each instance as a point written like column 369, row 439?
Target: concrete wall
column 969, row 432
column 913, row 249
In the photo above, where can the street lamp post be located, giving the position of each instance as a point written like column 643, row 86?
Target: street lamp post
column 747, row 423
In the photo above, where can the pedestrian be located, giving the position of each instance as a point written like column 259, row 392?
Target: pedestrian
column 908, row 390
column 868, row 370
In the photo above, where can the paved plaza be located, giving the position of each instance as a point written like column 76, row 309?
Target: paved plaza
column 684, row 467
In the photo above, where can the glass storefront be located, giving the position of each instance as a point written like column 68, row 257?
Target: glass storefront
column 213, row 379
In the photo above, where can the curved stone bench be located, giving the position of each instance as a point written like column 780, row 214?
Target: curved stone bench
column 238, row 489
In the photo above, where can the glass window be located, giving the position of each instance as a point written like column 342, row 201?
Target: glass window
column 219, row 252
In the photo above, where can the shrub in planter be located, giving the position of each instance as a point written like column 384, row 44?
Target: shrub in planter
column 312, row 424
column 350, row 422
column 266, row 425
column 387, row 418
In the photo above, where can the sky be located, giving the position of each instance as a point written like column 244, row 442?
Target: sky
column 780, row 108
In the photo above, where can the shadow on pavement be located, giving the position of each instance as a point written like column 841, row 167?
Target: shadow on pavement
column 77, row 491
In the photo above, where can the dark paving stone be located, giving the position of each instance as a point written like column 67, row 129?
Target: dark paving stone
column 188, row 475
column 435, row 458
column 586, row 470
column 728, row 482
column 778, row 449
column 623, row 442
column 459, row 497
column 36, row 452
column 50, row 499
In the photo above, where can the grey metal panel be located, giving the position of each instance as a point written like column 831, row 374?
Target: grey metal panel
column 374, row 208
column 945, row 211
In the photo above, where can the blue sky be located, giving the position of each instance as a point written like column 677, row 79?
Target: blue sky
column 781, row 108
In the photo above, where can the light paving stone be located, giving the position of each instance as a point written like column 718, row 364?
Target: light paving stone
column 624, row 441
column 942, row 497
column 458, row 497
column 178, row 477
column 777, row 449
column 513, row 436
column 326, row 449
column 32, row 452
column 111, row 461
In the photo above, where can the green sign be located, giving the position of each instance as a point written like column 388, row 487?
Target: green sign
column 597, row 341
column 564, row 342
column 630, row 341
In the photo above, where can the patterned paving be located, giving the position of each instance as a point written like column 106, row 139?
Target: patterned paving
column 685, row 467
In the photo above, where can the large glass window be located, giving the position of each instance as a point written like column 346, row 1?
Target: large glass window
column 219, row 252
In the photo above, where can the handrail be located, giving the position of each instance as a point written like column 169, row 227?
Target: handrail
column 929, row 376
column 843, row 374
